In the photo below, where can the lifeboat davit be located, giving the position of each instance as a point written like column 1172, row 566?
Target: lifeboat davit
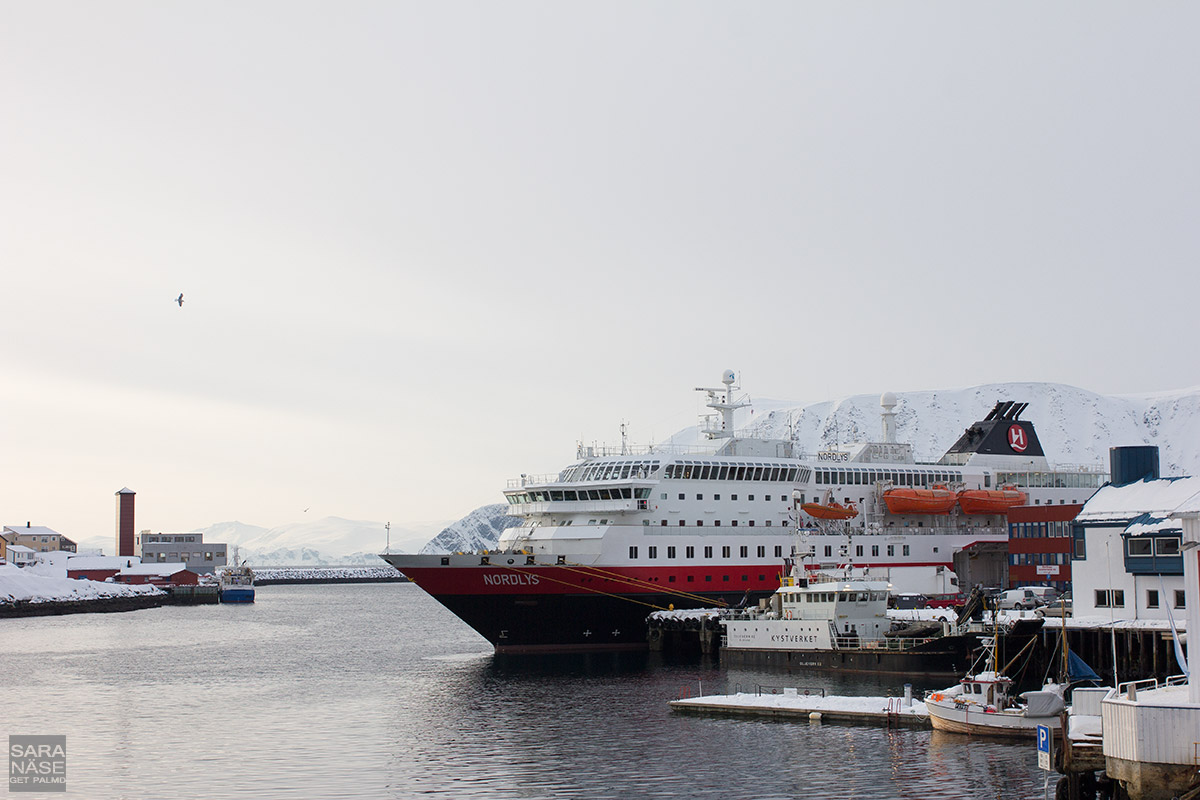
column 991, row 501
column 935, row 500
column 830, row 510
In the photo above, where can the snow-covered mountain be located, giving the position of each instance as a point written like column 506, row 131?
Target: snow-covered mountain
column 320, row 542
column 479, row 530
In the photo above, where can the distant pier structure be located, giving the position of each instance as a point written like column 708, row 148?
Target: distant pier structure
column 125, row 533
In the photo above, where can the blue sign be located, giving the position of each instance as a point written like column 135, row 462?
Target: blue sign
column 1043, row 739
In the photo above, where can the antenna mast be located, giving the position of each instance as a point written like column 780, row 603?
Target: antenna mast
column 388, row 547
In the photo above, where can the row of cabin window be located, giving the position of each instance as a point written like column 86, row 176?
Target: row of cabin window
column 1054, row 480
column 858, row 550
column 571, row 495
column 732, row 498
column 690, row 551
column 865, row 477
column 716, row 523
column 613, row 471
column 1115, row 598
column 731, row 472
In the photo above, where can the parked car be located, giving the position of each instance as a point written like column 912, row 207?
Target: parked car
column 946, row 601
column 1021, row 599
column 908, row 600
column 1061, row 607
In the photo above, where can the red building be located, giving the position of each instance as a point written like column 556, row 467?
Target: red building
column 98, row 568
column 158, row 574
column 1039, row 545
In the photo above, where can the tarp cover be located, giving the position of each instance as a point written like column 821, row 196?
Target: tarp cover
column 1043, row 704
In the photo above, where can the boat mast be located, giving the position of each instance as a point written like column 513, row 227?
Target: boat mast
column 722, row 400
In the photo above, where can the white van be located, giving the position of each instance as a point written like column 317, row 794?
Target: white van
column 1023, row 598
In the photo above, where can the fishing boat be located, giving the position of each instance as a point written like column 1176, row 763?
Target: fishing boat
column 982, row 702
column 937, row 499
column 236, row 584
column 839, row 620
column 991, row 501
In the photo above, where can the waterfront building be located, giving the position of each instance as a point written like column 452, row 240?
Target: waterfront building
column 98, row 568
column 1128, row 557
column 38, row 538
column 20, row 555
column 189, row 549
column 158, row 574
column 1040, row 542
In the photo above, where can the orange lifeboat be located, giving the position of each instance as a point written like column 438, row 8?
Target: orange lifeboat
column 991, row 501
column 831, row 510
column 935, row 500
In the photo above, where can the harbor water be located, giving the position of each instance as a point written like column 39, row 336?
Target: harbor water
column 375, row 691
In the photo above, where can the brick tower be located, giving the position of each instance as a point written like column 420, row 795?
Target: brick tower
column 125, row 522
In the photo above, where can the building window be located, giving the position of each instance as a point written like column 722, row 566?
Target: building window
column 1166, row 547
column 744, row 551
column 652, row 552
column 858, row 550
column 671, row 551
column 699, row 497
column 779, row 551
column 891, row 549
column 750, row 498
column 690, row 552
column 733, row 497
column 681, row 495
column 1139, row 547
column 828, row 551
column 1152, row 598
column 725, row 551
column 762, row 551
column 904, row 551
column 1110, row 598
column 708, row 552
column 716, row 497
column 1180, row 599
column 874, row 550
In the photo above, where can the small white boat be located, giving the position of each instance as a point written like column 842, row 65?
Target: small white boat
column 981, row 704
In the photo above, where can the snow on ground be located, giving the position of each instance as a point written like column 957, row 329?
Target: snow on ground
column 323, row 573
column 18, row 584
column 796, row 701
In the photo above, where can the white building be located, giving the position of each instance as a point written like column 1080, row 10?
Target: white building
column 1128, row 560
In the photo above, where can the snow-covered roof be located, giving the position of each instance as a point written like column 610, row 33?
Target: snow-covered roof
column 1189, row 506
column 30, row 530
column 20, row 548
column 154, row 569
column 1145, row 524
column 1122, row 503
column 101, row 562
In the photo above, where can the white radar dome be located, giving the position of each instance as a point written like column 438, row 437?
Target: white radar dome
column 727, row 377
column 887, row 400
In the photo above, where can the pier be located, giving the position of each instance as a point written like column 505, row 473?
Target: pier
column 799, row 703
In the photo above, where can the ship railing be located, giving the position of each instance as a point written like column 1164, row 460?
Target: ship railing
column 893, row 645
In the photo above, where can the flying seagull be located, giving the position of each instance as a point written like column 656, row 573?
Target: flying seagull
column 180, row 299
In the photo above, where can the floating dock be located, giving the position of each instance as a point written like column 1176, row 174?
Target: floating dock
column 894, row 712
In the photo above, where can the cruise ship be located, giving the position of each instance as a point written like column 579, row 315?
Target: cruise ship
column 619, row 534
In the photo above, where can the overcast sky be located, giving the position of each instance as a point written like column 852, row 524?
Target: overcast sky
column 425, row 247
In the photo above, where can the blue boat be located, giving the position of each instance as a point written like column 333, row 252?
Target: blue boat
column 237, row 584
